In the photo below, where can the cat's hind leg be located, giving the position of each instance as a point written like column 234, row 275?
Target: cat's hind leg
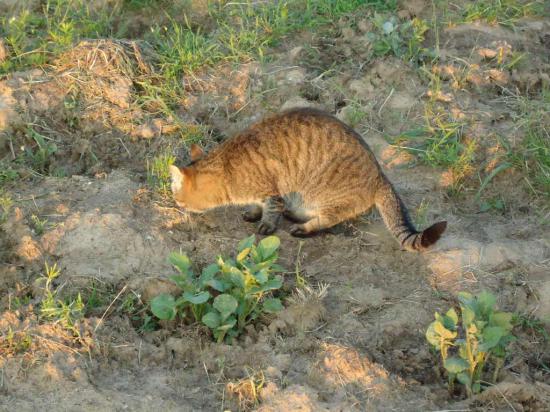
column 323, row 218
column 271, row 215
column 253, row 213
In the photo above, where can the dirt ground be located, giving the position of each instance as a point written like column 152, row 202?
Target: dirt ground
column 355, row 340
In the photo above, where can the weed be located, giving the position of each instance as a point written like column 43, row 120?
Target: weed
column 401, row 39
column 441, row 144
column 158, row 173
column 495, row 203
column 533, row 325
column 7, row 174
column 242, row 287
column 247, row 390
column 16, row 342
column 39, row 155
column 504, row 12
column 18, row 302
column 485, row 332
column 35, row 37
column 66, row 312
column 6, row 204
column 38, row 225
column 532, row 156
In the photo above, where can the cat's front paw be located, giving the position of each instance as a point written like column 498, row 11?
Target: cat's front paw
column 298, row 231
column 266, row 228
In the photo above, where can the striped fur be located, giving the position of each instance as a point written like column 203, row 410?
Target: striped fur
column 304, row 164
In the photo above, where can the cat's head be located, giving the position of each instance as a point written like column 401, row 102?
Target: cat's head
column 191, row 190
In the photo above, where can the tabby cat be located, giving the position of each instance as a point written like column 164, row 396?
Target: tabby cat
column 303, row 164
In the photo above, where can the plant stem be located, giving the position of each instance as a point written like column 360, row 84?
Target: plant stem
column 498, row 365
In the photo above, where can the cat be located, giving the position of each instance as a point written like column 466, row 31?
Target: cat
column 303, row 164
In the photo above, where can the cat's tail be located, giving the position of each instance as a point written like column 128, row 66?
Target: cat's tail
column 397, row 220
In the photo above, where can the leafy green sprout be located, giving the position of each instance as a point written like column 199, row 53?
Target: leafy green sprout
column 484, row 336
column 6, row 203
column 158, row 172
column 66, row 312
column 401, row 39
column 228, row 294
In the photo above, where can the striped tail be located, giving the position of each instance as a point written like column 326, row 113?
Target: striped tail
column 397, row 220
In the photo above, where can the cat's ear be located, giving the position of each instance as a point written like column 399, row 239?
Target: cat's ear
column 196, row 152
column 177, row 177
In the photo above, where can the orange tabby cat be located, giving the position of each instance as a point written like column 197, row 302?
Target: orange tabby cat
column 303, row 164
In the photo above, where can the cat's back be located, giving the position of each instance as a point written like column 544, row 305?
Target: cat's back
column 299, row 142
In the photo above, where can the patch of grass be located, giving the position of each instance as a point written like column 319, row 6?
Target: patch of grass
column 533, row 325
column 6, row 204
column 229, row 294
column 38, row 155
column 485, row 335
column 532, row 156
column 15, row 342
column 7, row 174
column 402, row 39
column 65, row 311
column 158, row 173
column 33, row 38
column 441, row 143
column 39, row 225
column 505, row 12
column 247, row 390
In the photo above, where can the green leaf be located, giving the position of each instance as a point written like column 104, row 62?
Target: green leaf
column 273, row 284
column 246, row 243
column 180, row 261
column 237, row 278
column 182, row 280
column 164, row 306
column 272, row 305
column 208, row 273
column 502, row 319
column 491, row 337
column 268, row 246
column 211, row 319
column 464, row 378
column 468, row 316
column 218, row 285
column 486, row 302
column 277, row 268
column 225, row 304
column 465, row 298
column 455, row 365
column 476, row 387
column 196, row 298
column 453, row 317
column 228, row 324
column 261, row 276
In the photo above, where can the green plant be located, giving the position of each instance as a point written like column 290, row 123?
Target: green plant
column 495, row 203
column 66, row 312
column 230, row 293
column 484, row 336
column 39, row 155
column 402, row 39
column 504, row 12
column 39, row 225
column 6, row 204
column 158, row 172
column 34, row 36
column 15, row 342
